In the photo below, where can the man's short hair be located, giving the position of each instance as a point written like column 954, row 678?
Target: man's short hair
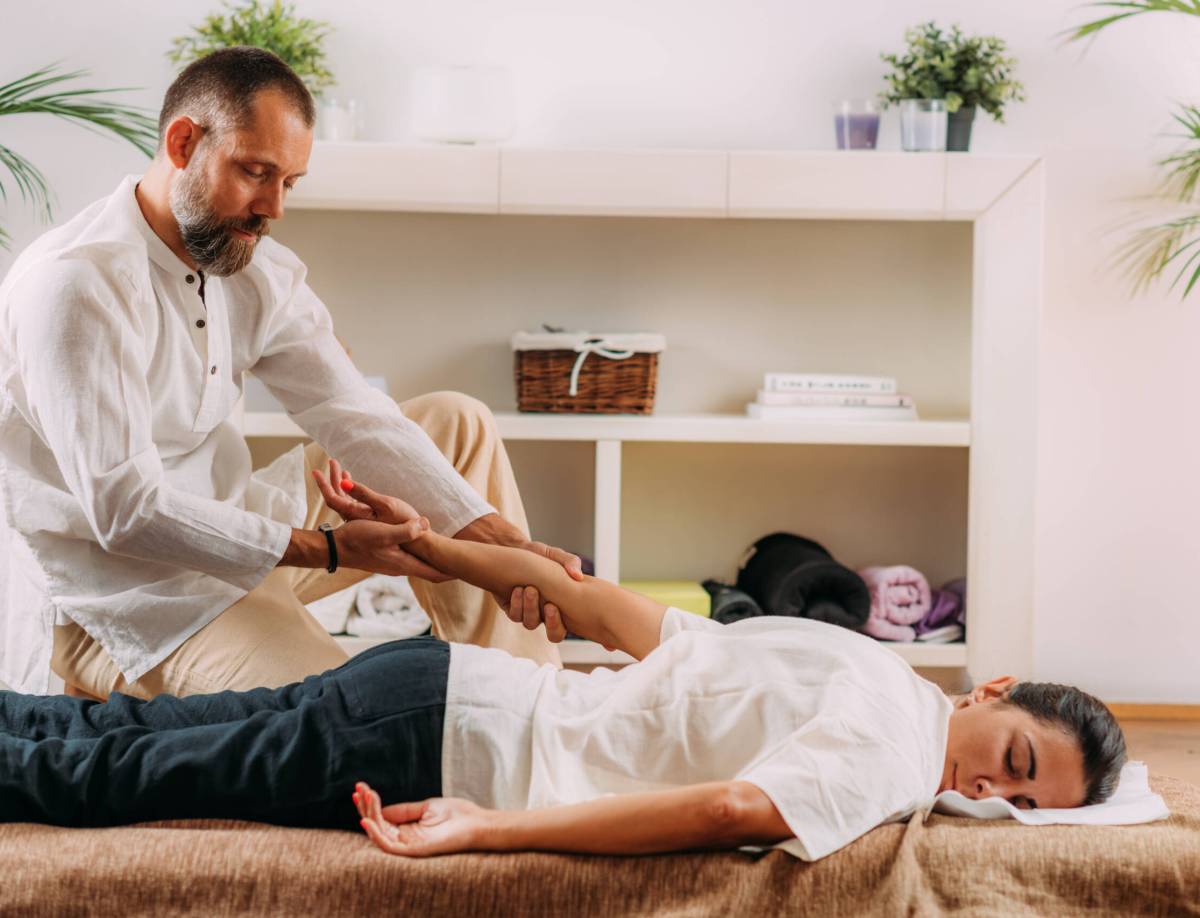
column 218, row 90
column 1085, row 718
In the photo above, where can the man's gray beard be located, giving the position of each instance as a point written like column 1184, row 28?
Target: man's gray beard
column 208, row 239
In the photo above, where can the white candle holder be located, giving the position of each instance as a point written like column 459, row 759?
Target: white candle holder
column 923, row 125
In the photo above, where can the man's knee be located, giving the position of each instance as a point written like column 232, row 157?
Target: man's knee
column 451, row 417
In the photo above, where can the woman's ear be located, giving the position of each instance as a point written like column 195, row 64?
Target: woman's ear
column 992, row 690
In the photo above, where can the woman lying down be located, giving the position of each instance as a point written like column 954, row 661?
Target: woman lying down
column 765, row 731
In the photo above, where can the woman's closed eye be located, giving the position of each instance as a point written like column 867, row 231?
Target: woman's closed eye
column 1020, row 802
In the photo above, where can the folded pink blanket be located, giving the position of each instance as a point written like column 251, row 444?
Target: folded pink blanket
column 900, row 597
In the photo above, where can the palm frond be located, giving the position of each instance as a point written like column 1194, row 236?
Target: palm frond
column 40, row 93
column 1124, row 10
column 1183, row 166
column 81, row 105
column 34, row 188
column 1148, row 252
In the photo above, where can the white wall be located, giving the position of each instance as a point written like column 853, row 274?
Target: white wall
column 1118, row 493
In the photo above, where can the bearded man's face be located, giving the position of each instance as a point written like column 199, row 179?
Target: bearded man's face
column 236, row 183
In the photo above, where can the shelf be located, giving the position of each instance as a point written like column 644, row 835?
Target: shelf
column 729, row 428
column 587, row 653
column 819, row 184
column 686, row 428
column 380, row 176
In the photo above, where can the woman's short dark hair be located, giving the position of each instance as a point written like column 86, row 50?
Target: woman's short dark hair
column 218, row 90
column 1086, row 719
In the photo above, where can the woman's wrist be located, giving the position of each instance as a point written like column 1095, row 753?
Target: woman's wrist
column 497, row 830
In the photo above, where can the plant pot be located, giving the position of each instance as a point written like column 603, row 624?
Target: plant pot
column 958, row 130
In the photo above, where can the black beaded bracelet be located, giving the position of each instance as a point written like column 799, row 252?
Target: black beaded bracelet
column 327, row 528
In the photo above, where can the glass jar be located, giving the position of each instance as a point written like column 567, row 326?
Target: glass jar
column 923, row 124
column 856, row 124
column 337, row 119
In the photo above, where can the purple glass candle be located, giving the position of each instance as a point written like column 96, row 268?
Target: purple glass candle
column 856, row 124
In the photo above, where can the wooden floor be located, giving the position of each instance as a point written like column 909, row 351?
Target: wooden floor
column 1168, row 747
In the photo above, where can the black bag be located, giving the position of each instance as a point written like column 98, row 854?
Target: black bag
column 788, row 574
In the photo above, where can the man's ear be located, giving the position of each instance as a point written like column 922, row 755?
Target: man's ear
column 993, row 689
column 180, row 141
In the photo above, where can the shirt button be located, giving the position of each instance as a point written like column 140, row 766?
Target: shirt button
column 190, row 279
column 199, row 323
column 213, row 371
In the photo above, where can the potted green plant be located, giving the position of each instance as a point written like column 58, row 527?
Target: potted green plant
column 41, row 92
column 274, row 26
column 1155, row 249
column 967, row 72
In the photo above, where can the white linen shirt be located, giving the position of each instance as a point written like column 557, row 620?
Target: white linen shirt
column 836, row 730
column 128, row 503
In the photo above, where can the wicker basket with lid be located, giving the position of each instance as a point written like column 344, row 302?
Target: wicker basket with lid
column 584, row 372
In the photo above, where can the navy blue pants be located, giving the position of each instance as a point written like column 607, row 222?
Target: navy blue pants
column 289, row 755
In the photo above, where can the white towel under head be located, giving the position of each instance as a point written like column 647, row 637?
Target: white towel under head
column 1132, row 802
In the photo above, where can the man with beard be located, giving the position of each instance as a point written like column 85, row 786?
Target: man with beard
column 137, row 550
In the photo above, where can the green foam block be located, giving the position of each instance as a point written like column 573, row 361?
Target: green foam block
column 682, row 594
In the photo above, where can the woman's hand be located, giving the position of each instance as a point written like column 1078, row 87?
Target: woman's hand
column 360, row 503
column 441, row 825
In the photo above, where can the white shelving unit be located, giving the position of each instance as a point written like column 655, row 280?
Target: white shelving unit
column 1001, row 195
column 608, row 433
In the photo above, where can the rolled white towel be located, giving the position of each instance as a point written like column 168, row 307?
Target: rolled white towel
column 386, row 607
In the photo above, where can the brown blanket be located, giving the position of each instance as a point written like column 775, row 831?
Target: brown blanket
column 947, row 864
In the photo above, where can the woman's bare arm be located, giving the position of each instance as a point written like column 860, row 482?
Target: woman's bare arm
column 594, row 609
column 724, row 814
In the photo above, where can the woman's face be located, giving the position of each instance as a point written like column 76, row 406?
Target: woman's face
column 998, row 750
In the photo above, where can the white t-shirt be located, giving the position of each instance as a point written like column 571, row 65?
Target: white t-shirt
column 838, row 731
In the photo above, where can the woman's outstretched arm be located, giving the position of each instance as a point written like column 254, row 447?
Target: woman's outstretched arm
column 591, row 608
column 725, row 814
column 595, row 609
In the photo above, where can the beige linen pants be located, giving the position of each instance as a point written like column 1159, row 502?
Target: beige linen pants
column 269, row 639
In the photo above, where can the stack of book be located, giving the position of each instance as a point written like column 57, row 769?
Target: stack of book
column 830, row 397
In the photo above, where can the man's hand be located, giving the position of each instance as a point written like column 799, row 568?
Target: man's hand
column 376, row 525
column 367, row 545
column 442, row 825
column 524, row 606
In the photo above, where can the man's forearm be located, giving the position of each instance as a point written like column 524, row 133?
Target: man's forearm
column 492, row 529
column 716, row 815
